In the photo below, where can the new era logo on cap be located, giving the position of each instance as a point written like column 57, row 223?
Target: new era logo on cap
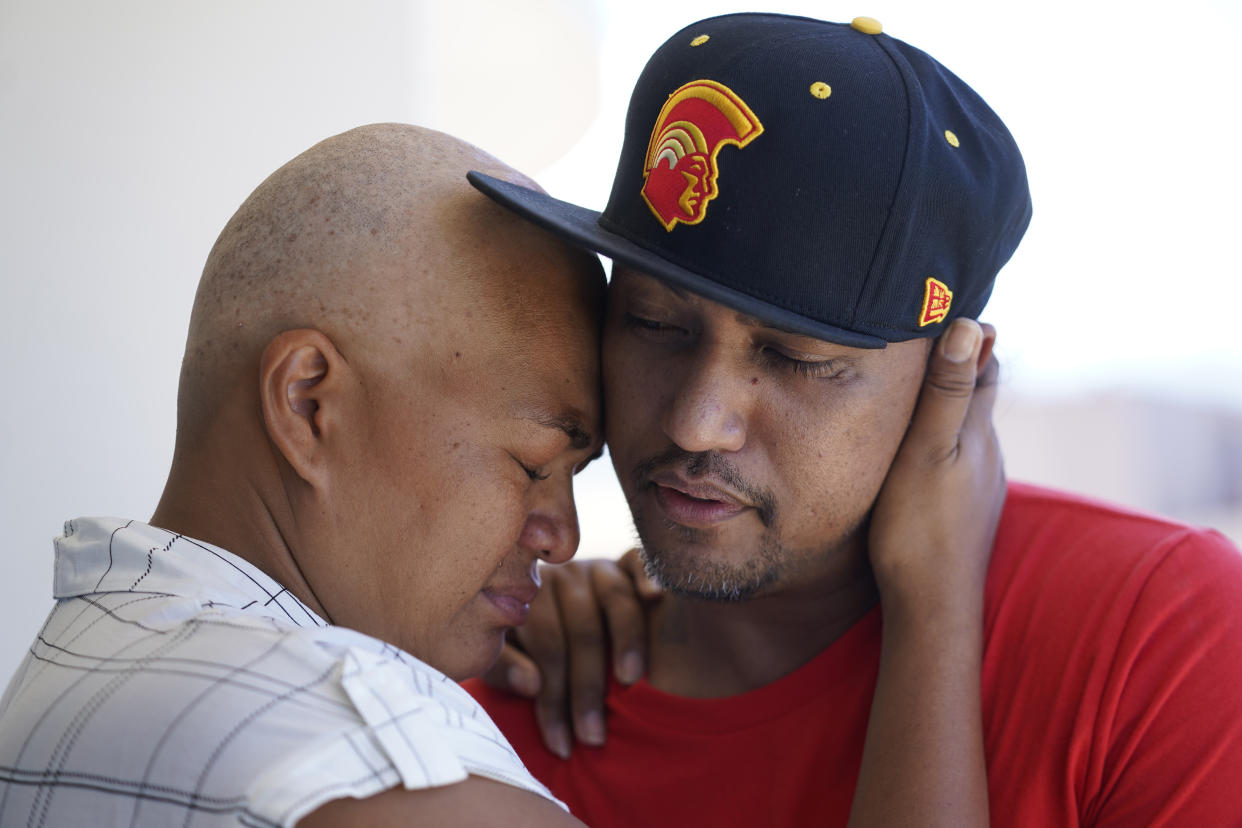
column 937, row 300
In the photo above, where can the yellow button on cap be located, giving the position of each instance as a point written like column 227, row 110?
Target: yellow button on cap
column 867, row 25
column 821, row 90
column 700, row 40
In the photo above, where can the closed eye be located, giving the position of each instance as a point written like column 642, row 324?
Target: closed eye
column 811, row 369
column 652, row 327
column 534, row 474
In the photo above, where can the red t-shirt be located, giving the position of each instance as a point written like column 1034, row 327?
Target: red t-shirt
column 1112, row 695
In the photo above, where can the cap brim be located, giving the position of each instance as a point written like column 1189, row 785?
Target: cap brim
column 581, row 228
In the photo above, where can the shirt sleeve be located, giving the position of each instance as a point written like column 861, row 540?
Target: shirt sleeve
column 1168, row 737
column 415, row 728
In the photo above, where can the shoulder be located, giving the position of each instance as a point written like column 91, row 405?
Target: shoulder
column 1118, row 637
column 1047, row 534
column 1028, row 506
column 265, row 716
column 1074, row 575
column 1071, row 575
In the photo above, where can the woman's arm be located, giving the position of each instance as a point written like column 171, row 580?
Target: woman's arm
column 931, row 538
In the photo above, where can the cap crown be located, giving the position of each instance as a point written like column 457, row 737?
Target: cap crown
column 842, row 184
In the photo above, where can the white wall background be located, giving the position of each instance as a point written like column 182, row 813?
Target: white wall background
column 130, row 131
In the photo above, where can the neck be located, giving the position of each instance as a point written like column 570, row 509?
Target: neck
column 710, row 649
column 229, row 493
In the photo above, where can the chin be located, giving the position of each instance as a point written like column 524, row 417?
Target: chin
column 714, row 565
column 473, row 657
column 700, row 574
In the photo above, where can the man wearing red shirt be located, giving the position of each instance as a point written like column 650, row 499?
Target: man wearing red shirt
column 798, row 206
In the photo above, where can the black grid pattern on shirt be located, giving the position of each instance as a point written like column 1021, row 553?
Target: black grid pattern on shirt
column 153, row 653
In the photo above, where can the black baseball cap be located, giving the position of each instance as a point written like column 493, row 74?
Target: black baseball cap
column 823, row 177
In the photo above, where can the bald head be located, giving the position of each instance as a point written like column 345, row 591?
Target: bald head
column 367, row 236
column 388, row 386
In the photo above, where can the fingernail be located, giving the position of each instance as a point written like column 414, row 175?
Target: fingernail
column 630, row 668
column 523, row 681
column 557, row 741
column 591, row 728
column 960, row 341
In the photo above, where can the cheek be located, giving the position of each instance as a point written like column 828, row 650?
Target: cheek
column 453, row 563
column 833, row 461
column 453, row 505
column 476, row 511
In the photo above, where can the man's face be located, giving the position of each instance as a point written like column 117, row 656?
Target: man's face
column 748, row 455
column 463, row 474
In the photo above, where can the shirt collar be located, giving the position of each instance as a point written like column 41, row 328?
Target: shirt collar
column 116, row 555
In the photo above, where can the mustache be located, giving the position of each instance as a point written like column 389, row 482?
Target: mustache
column 699, row 464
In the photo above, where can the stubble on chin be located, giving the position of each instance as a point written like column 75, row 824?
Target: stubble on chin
column 681, row 561
column 679, row 568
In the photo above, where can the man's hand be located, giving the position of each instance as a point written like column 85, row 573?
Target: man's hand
column 558, row 657
column 934, row 521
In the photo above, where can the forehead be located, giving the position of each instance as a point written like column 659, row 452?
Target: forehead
column 552, row 387
column 536, row 353
column 521, row 382
column 904, row 358
column 636, row 282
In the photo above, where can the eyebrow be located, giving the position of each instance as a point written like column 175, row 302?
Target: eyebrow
column 571, row 424
column 743, row 318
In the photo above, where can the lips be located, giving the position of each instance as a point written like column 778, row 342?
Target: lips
column 699, row 504
column 512, row 602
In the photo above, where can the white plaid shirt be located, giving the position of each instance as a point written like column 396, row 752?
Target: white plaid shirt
column 176, row 684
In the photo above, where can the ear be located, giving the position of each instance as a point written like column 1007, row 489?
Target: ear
column 303, row 381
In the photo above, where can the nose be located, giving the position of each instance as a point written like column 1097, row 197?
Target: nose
column 706, row 411
column 551, row 529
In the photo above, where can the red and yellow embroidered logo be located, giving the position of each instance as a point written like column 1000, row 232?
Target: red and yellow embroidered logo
column 936, row 301
column 680, row 172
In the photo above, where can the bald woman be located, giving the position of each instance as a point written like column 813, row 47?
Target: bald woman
column 388, row 385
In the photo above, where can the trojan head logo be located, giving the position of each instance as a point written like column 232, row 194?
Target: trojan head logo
column 936, row 301
column 680, row 172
